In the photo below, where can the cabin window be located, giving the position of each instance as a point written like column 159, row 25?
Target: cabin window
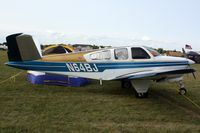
column 96, row 56
column 139, row 53
column 121, row 54
column 104, row 55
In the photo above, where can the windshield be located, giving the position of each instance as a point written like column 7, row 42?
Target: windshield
column 153, row 51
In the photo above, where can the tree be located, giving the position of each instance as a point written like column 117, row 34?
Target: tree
column 160, row 50
column 95, row 47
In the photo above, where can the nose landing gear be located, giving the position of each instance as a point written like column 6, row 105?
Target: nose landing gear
column 182, row 90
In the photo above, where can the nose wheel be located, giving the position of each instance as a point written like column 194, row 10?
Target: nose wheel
column 182, row 90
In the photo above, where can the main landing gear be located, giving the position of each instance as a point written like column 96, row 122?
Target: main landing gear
column 182, row 90
column 141, row 95
column 140, row 87
column 126, row 84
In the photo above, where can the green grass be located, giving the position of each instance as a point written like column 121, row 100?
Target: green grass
column 40, row 108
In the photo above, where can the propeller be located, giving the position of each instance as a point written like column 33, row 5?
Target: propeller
column 194, row 75
column 184, row 53
column 193, row 72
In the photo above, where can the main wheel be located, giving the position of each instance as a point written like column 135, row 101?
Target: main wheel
column 182, row 91
column 126, row 84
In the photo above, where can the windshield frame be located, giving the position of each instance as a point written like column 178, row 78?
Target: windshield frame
column 152, row 51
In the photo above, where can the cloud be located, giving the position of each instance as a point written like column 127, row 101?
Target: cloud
column 146, row 38
column 51, row 37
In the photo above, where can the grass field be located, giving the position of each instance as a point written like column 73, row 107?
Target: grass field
column 40, row 108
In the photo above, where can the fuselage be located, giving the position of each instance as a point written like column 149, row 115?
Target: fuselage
column 106, row 64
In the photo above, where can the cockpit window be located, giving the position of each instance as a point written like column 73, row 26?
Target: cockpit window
column 153, row 51
column 121, row 54
column 139, row 53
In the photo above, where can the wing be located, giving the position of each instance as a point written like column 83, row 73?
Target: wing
column 154, row 74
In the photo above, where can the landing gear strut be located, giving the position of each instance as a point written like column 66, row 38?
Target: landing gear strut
column 182, row 90
column 141, row 87
column 141, row 95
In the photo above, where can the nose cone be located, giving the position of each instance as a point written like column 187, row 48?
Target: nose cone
column 190, row 61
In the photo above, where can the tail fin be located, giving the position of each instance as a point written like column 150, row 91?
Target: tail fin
column 22, row 47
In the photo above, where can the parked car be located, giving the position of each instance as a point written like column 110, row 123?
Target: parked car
column 3, row 47
column 193, row 56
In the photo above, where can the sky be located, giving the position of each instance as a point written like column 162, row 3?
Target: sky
column 168, row 24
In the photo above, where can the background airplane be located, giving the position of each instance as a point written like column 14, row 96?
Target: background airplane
column 134, row 66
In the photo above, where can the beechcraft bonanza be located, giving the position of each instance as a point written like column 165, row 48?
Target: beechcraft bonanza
column 134, row 66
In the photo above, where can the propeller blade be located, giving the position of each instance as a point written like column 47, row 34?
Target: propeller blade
column 194, row 75
column 184, row 53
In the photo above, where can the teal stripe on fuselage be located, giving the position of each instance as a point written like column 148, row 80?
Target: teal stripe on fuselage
column 84, row 67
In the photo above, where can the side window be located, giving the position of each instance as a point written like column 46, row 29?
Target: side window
column 139, row 53
column 104, row 55
column 121, row 54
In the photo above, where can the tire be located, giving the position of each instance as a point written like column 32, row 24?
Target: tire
column 126, row 84
column 182, row 91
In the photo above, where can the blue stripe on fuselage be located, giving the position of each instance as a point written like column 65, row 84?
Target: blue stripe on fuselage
column 87, row 67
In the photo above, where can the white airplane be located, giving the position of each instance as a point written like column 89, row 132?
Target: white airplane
column 134, row 66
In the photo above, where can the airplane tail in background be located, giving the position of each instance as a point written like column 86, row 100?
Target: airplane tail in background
column 22, row 47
